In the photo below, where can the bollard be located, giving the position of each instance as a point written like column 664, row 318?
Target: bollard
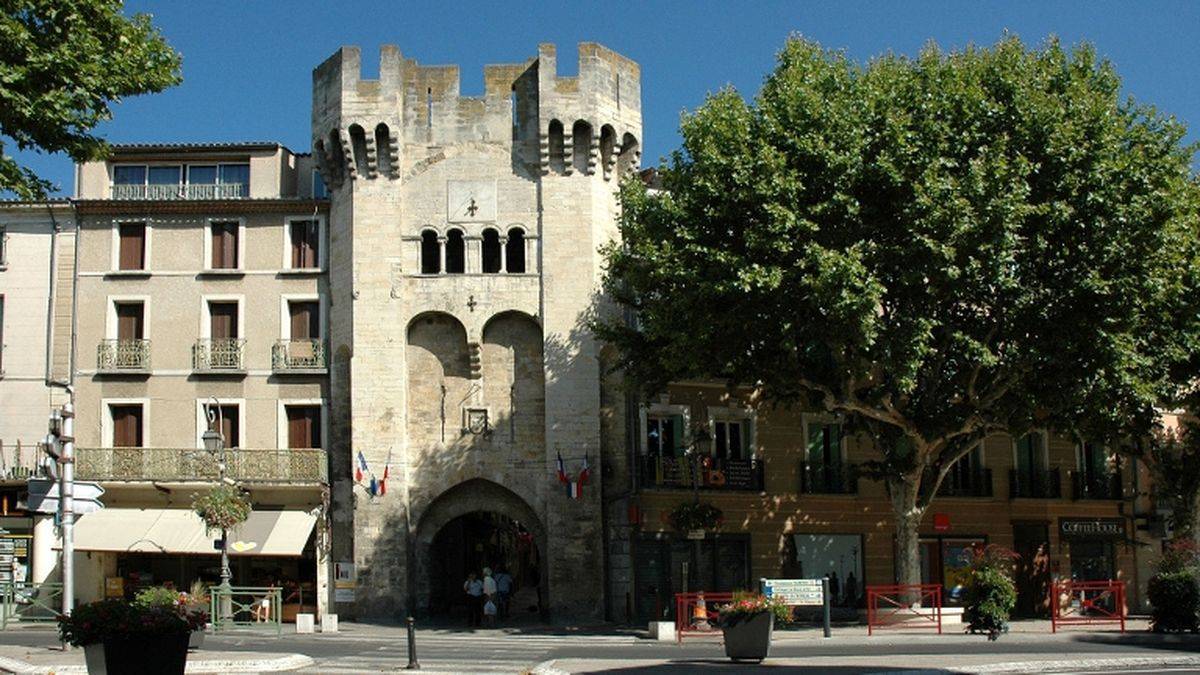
column 412, row 646
column 825, row 602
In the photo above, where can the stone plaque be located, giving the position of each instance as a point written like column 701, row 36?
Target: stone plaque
column 471, row 201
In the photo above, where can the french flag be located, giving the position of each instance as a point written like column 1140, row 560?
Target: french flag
column 383, row 483
column 584, row 473
column 574, row 489
column 562, row 471
column 362, row 467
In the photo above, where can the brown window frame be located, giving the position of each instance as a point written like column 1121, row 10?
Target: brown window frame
column 121, row 249
column 220, row 256
column 117, row 440
column 314, row 421
column 301, row 250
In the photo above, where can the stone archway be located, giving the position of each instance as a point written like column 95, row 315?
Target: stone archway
column 472, row 497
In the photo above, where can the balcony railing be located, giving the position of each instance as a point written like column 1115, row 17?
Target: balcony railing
column 1104, row 486
column 115, row 356
column 714, row 473
column 828, row 479
column 218, row 355
column 172, row 192
column 293, row 356
column 1038, row 483
column 307, row 465
column 976, row 483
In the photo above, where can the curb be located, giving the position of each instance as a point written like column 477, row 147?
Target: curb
column 1117, row 663
column 266, row 665
column 548, row 668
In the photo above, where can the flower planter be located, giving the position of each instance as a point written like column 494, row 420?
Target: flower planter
column 749, row 639
column 165, row 654
column 196, row 639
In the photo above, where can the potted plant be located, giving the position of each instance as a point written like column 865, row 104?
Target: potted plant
column 990, row 593
column 222, row 508
column 187, row 605
column 692, row 516
column 120, row 637
column 747, row 624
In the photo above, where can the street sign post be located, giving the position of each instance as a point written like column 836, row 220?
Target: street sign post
column 44, row 496
column 800, row 592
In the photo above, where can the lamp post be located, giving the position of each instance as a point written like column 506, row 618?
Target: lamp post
column 700, row 437
column 214, row 443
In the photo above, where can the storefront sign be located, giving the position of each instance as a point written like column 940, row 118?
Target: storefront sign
column 794, row 591
column 345, row 578
column 1091, row 528
column 941, row 522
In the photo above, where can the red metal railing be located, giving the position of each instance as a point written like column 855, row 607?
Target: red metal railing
column 696, row 613
column 1087, row 603
column 904, row 606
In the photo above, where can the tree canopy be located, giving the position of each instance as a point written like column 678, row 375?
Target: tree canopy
column 62, row 64
column 939, row 248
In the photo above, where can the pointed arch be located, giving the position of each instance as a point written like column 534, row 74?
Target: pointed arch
column 383, row 153
column 557, row 162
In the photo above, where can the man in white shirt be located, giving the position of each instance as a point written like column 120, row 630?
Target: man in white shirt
column 473, row 587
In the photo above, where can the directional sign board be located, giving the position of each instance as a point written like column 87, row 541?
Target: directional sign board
column 44, row 496
column 794, row 591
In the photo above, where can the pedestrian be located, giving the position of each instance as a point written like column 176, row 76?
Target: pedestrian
column 473, row 588
column 504, row 584
column 489, row 587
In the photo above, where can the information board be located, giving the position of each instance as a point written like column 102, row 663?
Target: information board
column 794, row 591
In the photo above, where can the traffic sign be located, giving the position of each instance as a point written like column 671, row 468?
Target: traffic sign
column 44, row 487
column 794, row 591
column 41, row 504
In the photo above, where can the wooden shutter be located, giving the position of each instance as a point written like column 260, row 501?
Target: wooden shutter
column 127, row 426
column 132, row 254
column 304, row 244
column 306, row 320
column 230, row 425
column 224, row 320
column 129, row 321
column 304, row 426
column 224, row 245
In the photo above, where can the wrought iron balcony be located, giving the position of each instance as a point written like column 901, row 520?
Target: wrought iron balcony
column 218, row 355
column 1103, row 486
column 123, row 356
column 713, row 473
column 298, row 356
column 976, row 483
column 1036, row 483
column 828, row 479
column 175, row 192
column 274, row 465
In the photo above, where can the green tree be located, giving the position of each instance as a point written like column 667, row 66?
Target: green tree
column 937, row 248
column 62, row 63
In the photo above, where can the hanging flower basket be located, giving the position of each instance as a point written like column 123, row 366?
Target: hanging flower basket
column 692, row 516
column 223, row 507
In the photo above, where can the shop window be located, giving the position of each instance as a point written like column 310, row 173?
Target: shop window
column 946, row 561
column 838, row 556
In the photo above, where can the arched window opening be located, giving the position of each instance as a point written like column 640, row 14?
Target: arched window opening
column 631, row 155
column 581, row 137
column 491, row 251
column 431, row 255
column 383, row 149
column 358, row 145
column 556, row 146
column 337, row 157
column 608, row 144
column 456, row 252
column 514, row 251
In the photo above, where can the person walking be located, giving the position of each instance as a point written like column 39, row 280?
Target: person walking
column 504, row 584
column 473, row 588
column 489, row 597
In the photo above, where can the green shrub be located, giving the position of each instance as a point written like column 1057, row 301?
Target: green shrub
column 1176, row 600
column 115, row 619
column 990, row 593
column 157, row 596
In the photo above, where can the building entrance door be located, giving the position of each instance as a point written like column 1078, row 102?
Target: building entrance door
column 666, row 566
column 479, row 540
column 1031, row 542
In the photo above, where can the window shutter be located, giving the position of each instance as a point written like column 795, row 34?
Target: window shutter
column 127, row 426
column 129, row 321
column 131, row 255
column 223, row 317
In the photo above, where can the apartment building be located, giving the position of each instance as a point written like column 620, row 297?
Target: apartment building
column 202, row 302
column 37, row 253
column 796, row 504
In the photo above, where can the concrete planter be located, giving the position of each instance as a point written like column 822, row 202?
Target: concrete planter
column 750, row 638
column 165, row 655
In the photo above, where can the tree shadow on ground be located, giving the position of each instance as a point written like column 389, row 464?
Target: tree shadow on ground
column 1183, row 642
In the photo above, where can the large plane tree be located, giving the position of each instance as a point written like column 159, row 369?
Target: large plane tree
column 937, row 248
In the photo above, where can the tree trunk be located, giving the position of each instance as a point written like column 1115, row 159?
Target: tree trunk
column 908, row 524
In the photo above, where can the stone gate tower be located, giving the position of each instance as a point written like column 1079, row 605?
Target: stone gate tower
column 464, row 264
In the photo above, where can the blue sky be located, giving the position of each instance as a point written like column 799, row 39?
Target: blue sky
column 247, row 65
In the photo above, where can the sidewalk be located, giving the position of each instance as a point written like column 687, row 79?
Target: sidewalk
column 20, row 659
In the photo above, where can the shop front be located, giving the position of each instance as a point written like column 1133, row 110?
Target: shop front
column 946, row 561
column 666, row 564
column 837, row 556
column 121, row 551
column 1092, row 546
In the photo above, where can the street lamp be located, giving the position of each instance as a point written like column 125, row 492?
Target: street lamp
column 214, row 443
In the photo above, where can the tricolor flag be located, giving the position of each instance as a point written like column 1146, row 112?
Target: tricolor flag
column 373, row 486
column 361, row 468
column 574, row 489
column 562, row 471
column 383, row 483
column 585, row 472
